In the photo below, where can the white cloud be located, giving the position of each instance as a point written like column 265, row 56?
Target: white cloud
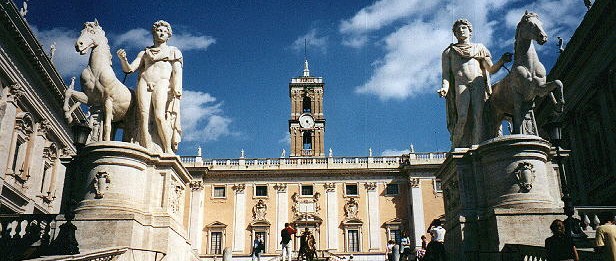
column 411, row 64
column 286, row 139
column 383, row 13
column 67, row 61
column 559, row 17
column 394, row 152
column 202, row 118
column 312, row 41
column 379, row 15
column 140, row 38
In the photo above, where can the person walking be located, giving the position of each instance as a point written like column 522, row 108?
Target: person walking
column 303, row 244
column 257, row 248
column 405, row 247
column 436, row 248
column 285, row 234
column 559, row 247
column 605, row 239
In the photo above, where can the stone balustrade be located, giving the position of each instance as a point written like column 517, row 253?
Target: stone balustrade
column 316, row 162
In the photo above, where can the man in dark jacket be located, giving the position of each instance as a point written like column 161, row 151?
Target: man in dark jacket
column 285, row 234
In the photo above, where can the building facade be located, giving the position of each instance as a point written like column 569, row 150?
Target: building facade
column 587, row 68
column 352, row 205
column 34, row 135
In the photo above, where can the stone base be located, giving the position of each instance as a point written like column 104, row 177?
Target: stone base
column 132, row 198
column 504, row 191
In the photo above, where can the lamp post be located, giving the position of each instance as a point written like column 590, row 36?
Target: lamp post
column 554, row 129
column 81, row 132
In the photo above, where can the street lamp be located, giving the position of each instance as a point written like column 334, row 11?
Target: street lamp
column 554, row 130
column 81, row 132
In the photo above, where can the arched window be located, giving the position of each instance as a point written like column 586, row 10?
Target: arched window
column 307, row 140
column 307, row 105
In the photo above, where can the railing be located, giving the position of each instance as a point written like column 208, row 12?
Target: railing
column 589, row 216
column 317, row 162
column 26, row 236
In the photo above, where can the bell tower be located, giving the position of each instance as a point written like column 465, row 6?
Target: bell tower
column 307, row 123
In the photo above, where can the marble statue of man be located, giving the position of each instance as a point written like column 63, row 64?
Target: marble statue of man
column 466, row 85
column 158, row 92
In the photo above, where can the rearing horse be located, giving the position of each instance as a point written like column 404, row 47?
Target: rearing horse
column 514, row 95
column 101, row 88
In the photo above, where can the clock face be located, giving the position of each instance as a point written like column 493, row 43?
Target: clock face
column 306, row 121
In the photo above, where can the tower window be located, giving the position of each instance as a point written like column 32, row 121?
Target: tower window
column 307, row 140
column 307, row 105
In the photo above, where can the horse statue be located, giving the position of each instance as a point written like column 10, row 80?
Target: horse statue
column 101, row 88
column 514, row 95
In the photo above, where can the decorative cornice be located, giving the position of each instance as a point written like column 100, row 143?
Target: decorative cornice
column 330, row 187
column 239, row 188
column 44, row 128
column 14, row 93
column 370, row 186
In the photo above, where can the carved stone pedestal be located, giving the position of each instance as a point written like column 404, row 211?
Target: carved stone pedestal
column 132, row 198
column 498, row 194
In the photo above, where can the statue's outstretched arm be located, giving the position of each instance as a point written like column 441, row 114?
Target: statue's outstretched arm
column 129, row 67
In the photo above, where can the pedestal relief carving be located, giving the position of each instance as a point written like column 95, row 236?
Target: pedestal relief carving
column 176, row 197
column 259, row 210
column 101, row 184
column 525, row 176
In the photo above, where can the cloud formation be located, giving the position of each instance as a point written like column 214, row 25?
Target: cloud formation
column 203, row 118
column 394, row 152
column 140, row 38
column 414, row 33
column 66, row 60
column 312, row 41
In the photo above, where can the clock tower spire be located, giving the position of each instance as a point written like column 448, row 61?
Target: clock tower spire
column 307, row 123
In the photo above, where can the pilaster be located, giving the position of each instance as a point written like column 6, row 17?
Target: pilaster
column 374, row 234
column 282, row 210
column 196, row 215
column 417, row 221
column 239, row 218
column 332, row 216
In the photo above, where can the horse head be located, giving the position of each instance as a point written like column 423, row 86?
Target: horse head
column 530, row 27
column 91, row 36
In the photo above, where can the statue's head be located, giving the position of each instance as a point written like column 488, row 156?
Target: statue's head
column 162, row 23
column 463, row 22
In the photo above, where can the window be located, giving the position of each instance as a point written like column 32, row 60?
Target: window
column 438, row 185
column 219, row 192
column 353, row 237
column 392, row 189
column 307, row 140
column 45, row 171
column 307, row 103
column 351, row 190
column 394, row 234
column 307, row 190
column 261, row 191
column 18, row 145
column 216, row 243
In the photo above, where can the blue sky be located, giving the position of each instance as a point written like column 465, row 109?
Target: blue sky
column 380, row 61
